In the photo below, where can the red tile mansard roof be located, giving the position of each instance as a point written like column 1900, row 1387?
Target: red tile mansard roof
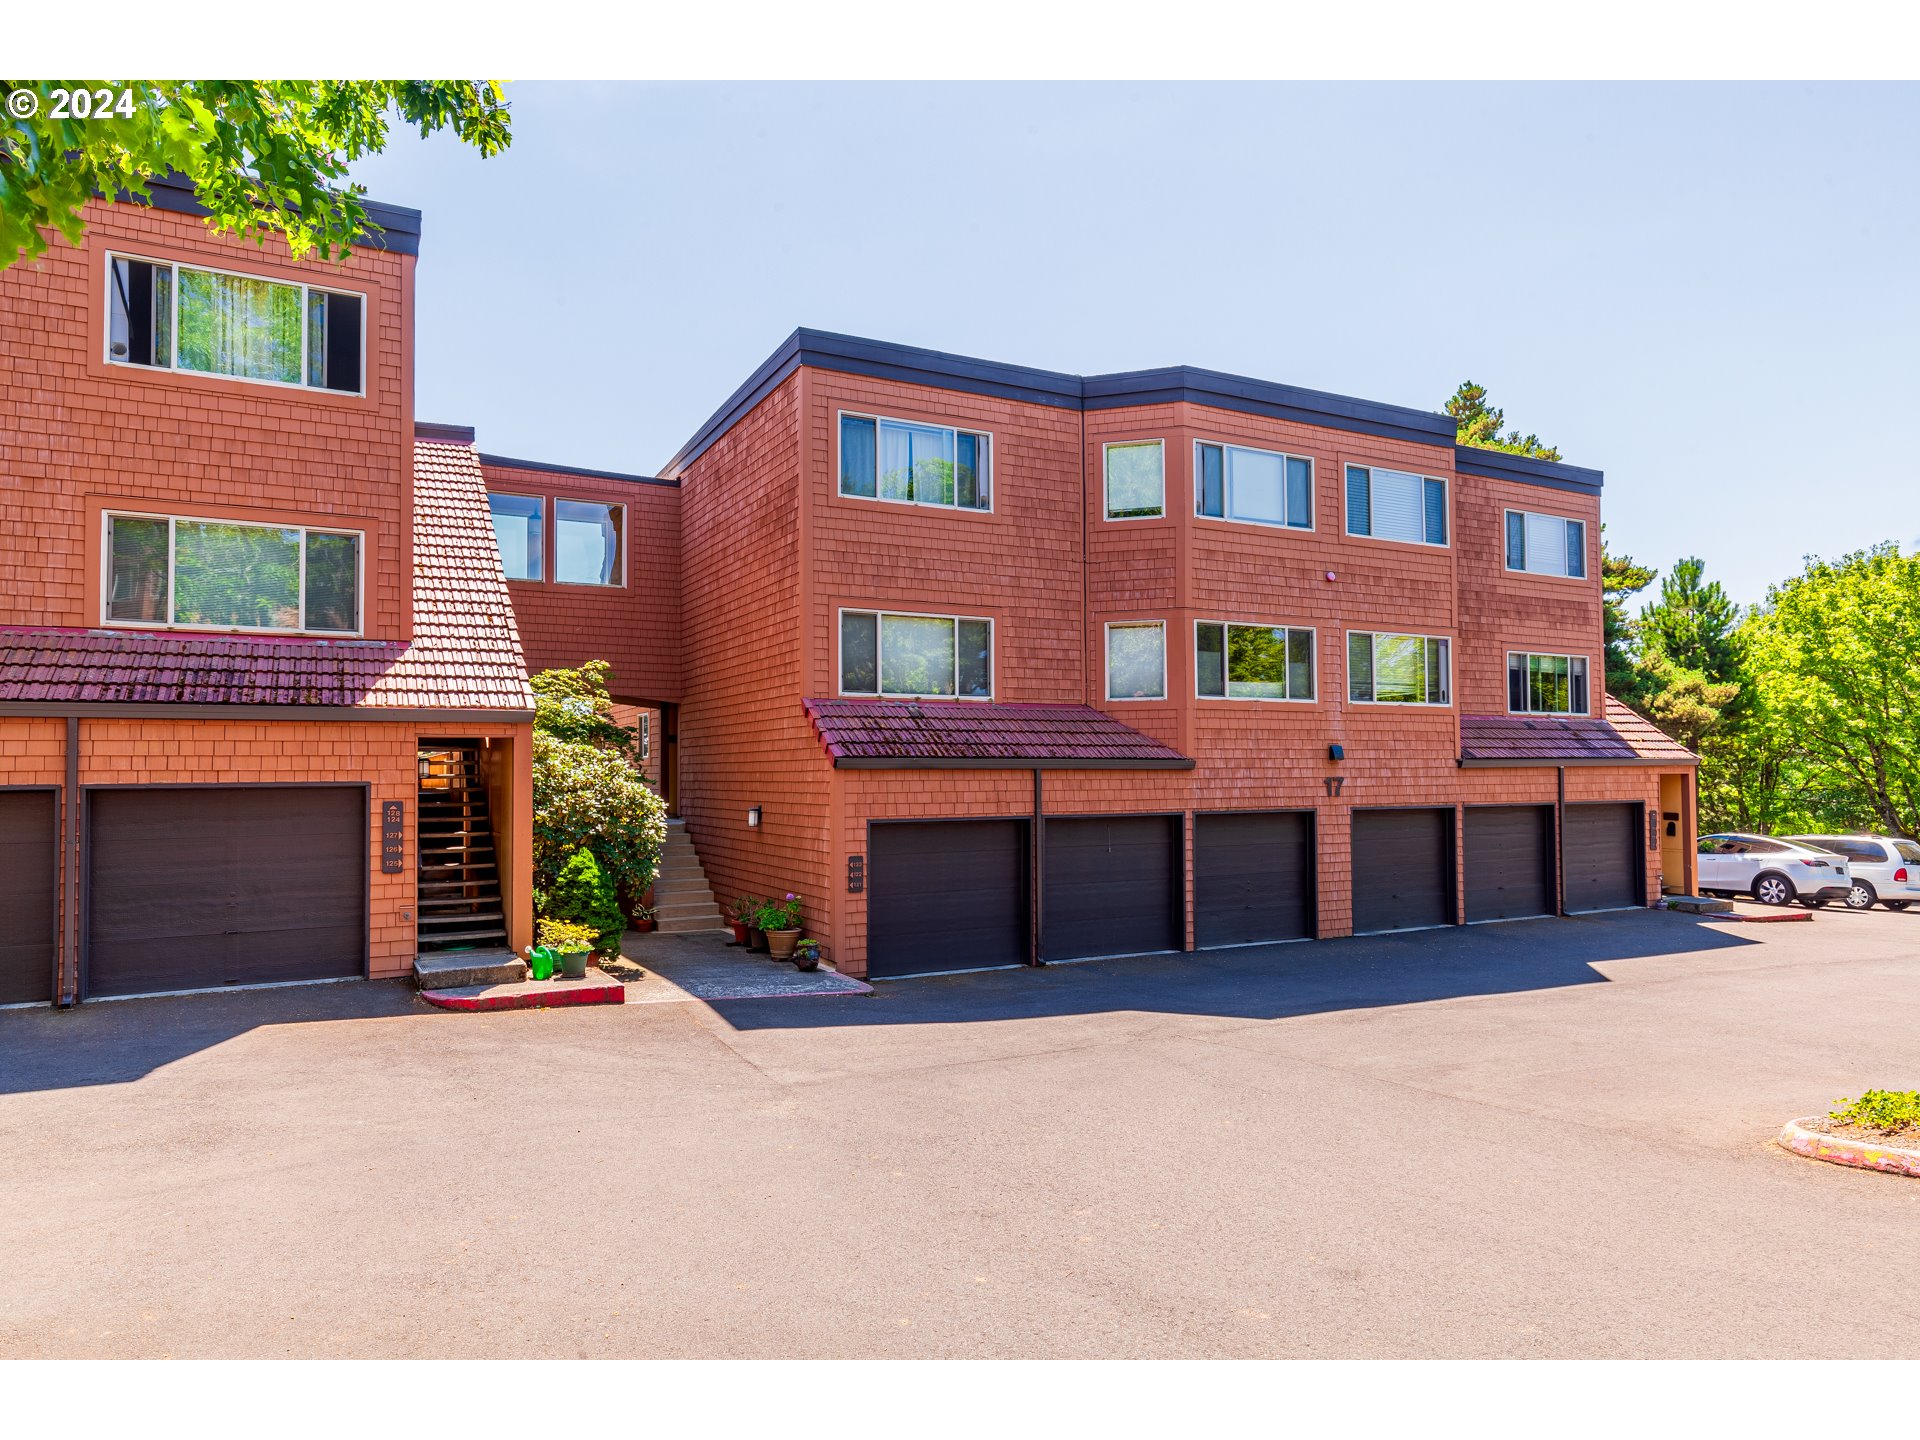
column 465, row 653
column 963, row 734
column 1620, row 738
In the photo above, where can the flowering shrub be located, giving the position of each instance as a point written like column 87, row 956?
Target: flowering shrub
column 583, row 795
column 1881, row 1110
column 562, row 935
column 779, row 914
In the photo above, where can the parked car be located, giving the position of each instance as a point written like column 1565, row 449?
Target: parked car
column 1771, row 870
column 1885, row 868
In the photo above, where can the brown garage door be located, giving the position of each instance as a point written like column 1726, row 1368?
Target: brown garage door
column 1509, row 861
column 1603, row 857
column 1111, row 886
column 1252, row 877
column 29, row 865
column 1402, row 869
column 946, row 895
column 209, row 885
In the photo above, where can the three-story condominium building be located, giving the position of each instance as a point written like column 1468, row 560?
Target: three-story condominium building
column 991, row 665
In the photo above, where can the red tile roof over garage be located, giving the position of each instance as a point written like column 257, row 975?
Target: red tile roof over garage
column 883, row 734
column 465, row 653
column 1621, row 738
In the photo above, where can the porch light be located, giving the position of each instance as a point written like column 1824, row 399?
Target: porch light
column 1336, row 752
column 753, row 817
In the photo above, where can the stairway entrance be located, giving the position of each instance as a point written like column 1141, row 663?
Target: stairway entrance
column 459, row 884
column 682, row 899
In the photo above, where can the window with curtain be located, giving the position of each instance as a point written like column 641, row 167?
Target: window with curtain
column 1389, row 669
column 915, row 464
column 1258, row 486
column 587, row 539
column 1136, row 480
column 1546, row 684
column 1393, row 505
column 244, row 327
column 223, row 575
column 927, row 656
column 1546, row 544
column 519, row 524
column 1252, row 662
column 1137, row 661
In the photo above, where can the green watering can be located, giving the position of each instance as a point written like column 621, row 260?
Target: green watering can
column 543, row 960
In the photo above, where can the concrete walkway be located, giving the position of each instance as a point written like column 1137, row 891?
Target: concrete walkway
column 703, row 965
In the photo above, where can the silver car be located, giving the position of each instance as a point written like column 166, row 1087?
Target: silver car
column 1884, row 868
column 1772, row 871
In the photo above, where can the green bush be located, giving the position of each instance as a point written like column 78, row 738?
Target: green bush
column 778, row 914
column 584, row 895
column 586, row 796
column 576, row 705
column 1881, row 1110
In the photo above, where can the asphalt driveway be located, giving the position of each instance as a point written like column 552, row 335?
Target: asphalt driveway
column 1543, row 1138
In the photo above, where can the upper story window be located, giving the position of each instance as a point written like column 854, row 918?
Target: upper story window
column 1385, row 669
column 215, row 322
column 1136, row 480
column 1546, row 544
column 1252, row 662
column 1393, row 505
column 1232, row 482
column 915, row 655
column 225, row 575
column 643, row 734
column 1546, row 684
column 519, row 524
column 1137, row 660
column 589, row 543
column 915, row 464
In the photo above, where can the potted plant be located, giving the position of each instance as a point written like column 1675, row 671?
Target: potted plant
column 806, row 955
column 740, row 920
column 572, row 943
column 780, row 919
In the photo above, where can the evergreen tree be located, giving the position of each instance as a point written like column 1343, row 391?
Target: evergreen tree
column 1478, row 424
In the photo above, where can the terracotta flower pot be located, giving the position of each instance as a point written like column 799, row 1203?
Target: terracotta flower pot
column 780, row 943
column 739, row 932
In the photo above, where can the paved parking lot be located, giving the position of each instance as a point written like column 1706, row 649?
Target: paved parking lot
column 1543, row 1138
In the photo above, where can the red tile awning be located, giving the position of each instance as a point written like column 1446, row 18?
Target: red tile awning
column 961, row 734
column 1622, row 737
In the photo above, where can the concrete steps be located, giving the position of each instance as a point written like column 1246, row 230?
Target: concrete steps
column 454, row 969
column 683, row 901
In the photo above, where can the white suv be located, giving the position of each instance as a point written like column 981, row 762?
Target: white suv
column 1774, row 872
column 1885, row 868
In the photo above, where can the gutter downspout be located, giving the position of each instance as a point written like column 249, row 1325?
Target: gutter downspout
column 1560, row 845
column 66, row 970
column 1036, row 863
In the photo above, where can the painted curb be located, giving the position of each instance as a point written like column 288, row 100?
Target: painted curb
column 597, row 989
column 1773, row 919
column 1838, row 1150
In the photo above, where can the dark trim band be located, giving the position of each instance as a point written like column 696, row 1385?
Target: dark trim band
column 1554, row 762
column 396, row 228
column 335, row 714
column 542, row 467
column 998, row 762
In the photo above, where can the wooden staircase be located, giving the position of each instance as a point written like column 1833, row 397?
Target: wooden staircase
column 682, row 900
column 459, row 895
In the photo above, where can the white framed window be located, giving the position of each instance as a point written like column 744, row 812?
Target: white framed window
column 1261, row 487
column 1135, row 479
column 589, row 542
column 1137, row 660
column 201, row 321
column 1546, row 684
column 520, row 527
column 1394, row 505
column 184, row 572
column 911, row 463
column 1546, row 544
column 1388, row 669
column 916, row 656
column 645, row 734
column 1232, row 661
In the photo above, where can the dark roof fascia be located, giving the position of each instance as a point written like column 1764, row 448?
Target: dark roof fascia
column 162, row 710
column 999, row 762
column 542, row 467
column 396, row 228
column 1499, row 465
column 443, row 434
column 1269, row 398
column 1547, row 763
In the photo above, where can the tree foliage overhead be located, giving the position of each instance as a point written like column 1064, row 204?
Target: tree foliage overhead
column 1620, row 580
column 577, row 705
column 265, row 157
column 1694, row 624
column 1478, row 424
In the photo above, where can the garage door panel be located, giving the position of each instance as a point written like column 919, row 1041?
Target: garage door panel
column 205, row 886
column 1109, row 883
column 1252, row 877
column 1402, row 869
column 1603, row 857
column 29, row 870
column 946, row 895
column 1509, row 856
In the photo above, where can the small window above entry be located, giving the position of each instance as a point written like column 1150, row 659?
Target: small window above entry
column 1546, row 544
column 914, row 464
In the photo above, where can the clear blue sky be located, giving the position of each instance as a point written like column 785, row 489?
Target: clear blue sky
column 1710, row 292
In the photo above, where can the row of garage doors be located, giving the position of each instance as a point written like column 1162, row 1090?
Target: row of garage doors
column 188, row 887
column 960, row 894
